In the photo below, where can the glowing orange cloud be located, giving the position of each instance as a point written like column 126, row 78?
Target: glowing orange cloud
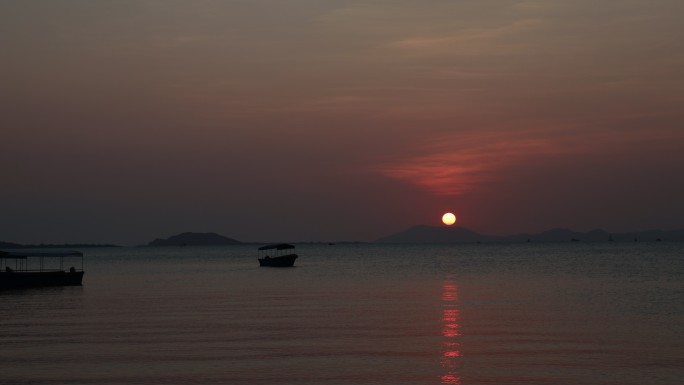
column 450, row 168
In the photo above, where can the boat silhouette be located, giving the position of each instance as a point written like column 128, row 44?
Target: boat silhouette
column 283, row 257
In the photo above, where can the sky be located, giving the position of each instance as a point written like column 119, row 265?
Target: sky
column 330, row 120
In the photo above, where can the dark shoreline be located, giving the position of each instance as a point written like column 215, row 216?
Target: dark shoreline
column 8, row 245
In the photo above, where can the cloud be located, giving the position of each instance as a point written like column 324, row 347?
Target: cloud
column 488, row 40
column 462, row 162
column 455, row 167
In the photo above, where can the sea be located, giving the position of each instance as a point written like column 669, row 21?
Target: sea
column 355, row 314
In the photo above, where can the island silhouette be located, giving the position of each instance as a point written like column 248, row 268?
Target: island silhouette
column 414, row 234
column 194, row 239
column 442, row 234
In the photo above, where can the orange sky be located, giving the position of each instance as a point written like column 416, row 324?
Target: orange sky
column 338, row 120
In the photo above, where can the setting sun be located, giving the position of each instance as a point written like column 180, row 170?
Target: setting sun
column 449, row 219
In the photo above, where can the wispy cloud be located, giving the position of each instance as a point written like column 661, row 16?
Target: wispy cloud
column 497, row 40
column 450, row 168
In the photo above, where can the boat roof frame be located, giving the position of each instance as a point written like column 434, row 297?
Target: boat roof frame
column 22, row 261
column 277, row 246
column 39, row 254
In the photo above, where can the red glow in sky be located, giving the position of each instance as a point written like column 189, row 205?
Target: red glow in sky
column 126, row 121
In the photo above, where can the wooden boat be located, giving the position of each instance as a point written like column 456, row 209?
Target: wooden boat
column 32, row 269
column 283, row 257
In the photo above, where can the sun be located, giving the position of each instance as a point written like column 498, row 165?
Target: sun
column 449, row 219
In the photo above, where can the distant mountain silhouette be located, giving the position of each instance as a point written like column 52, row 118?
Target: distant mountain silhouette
column 443, row 234
column 436, row 234
column 194, row 239
column 9, row 245
column 562, row 235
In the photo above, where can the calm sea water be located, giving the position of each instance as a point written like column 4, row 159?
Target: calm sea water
column 357, row 314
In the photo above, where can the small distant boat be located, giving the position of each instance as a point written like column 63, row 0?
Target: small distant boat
column 32, row 269
column 283, row 255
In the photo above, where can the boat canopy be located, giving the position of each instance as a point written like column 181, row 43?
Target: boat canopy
column 26, row 254
column 277, row 246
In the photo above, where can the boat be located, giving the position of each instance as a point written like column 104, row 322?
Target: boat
column 283, row 255
column 33, row 269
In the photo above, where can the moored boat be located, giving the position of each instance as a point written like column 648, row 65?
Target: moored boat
column 31, row 269
column 283, row 255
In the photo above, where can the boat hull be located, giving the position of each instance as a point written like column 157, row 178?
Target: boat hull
column 282, row 261
column 40, row 278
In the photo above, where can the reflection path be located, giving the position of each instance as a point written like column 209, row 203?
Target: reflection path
column 450, row 332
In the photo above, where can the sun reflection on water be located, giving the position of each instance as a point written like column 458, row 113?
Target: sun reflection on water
column 450, row 333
